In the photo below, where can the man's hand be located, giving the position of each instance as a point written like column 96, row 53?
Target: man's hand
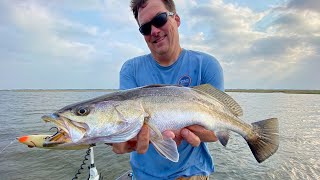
column 139, row 143
column 194, row 135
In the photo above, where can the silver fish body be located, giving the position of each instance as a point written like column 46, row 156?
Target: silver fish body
column 119, row 116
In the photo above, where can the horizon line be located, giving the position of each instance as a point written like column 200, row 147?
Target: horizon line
column 290, row 91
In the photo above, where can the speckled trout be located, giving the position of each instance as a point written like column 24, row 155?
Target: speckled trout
column 118, row 117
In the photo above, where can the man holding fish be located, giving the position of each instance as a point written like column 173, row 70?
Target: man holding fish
column 164, row 127
column 168, row 63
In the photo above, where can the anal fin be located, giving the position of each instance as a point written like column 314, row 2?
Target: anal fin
column 223, row 137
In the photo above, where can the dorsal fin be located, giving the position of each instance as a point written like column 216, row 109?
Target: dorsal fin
column 223, row 97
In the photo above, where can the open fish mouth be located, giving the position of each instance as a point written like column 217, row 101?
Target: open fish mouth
column 61, row 140
column 74, row 130
column 58, row 138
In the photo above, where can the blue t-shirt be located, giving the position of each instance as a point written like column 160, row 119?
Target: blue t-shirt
column 191, row 69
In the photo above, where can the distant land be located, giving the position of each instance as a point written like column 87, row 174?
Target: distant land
column 288, row 91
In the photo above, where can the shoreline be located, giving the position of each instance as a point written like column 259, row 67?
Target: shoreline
column 287, row 91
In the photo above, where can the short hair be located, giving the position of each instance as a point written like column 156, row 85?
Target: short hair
column 137, row 4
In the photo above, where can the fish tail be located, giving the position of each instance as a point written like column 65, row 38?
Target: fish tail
column 265, row 139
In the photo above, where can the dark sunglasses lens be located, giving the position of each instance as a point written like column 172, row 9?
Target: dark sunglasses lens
column 145, row 29
column 157, row 21
column 160, row 20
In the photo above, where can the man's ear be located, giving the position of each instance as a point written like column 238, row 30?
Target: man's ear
column 177, row 18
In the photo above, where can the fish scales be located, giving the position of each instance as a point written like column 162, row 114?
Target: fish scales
column 185, row 101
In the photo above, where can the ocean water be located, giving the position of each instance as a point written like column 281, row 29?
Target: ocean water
column 297, row 157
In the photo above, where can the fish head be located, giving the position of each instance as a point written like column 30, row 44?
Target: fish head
column 73, row 120
column 113, row 120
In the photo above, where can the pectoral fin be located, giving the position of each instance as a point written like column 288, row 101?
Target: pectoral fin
column 129, row 126
column 158, row 134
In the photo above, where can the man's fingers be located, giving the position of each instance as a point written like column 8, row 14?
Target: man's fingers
column 173, row 134
column 139, row 143
column 194, row 135
column 204, row 134
column 143, row 140
column 121, row 148
column 190, row 137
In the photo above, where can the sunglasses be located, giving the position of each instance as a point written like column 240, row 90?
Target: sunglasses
column 158, row 21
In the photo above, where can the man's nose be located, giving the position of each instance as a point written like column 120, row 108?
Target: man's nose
column 154, row 30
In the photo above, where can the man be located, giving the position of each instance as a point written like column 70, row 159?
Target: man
column 168, row 63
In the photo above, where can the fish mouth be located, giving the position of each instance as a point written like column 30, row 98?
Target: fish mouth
column 60, row 137
column 61, row 140
column 76, row 131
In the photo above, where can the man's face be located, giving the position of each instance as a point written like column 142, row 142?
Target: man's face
column 162, row 40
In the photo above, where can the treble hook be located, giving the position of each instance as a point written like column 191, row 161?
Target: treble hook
column 54, row 133
column 56, row 130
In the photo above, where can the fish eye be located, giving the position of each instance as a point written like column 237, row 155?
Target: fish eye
column 82, row 111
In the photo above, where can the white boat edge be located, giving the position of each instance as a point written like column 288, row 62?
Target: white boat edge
column 126, row 176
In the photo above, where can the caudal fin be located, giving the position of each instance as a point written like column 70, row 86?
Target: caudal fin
column 265, row 142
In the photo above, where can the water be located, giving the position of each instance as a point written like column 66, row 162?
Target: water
column 297, row 157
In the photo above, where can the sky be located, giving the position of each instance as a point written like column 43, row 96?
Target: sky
column 82, row 44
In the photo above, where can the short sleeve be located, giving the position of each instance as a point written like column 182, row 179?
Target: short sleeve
column 213, row 73
column 127, row 79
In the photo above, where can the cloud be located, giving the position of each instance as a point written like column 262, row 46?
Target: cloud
column 312, row 5
column 296, row 23
column 39, row 31
column 307, row 74
column 84, row 44
column 251, row 56
column 38, row 38
column 223, row 26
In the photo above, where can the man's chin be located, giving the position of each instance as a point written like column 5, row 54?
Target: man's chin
column 161, row 50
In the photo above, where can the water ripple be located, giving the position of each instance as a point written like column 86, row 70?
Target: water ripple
column 297, row 157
